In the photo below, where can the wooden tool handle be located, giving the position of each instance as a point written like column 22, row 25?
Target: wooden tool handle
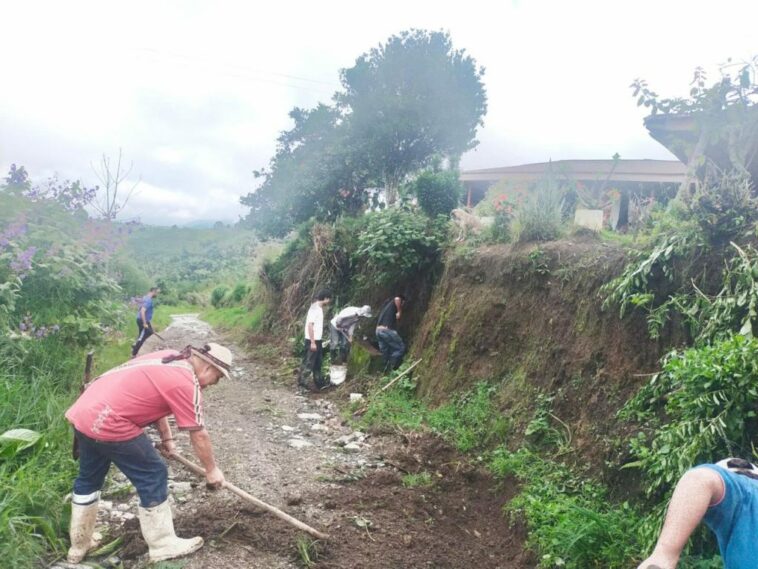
column 253, row 500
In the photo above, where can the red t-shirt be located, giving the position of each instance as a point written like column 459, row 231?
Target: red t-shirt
column 124, row 400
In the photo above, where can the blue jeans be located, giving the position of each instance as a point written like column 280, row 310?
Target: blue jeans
column 136, row 458
column 392, row 347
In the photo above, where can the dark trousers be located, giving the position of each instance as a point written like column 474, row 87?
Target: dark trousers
column 143, row 334
column 339, row 347
column 136, row 458
column 311, row 365
column 392, row 347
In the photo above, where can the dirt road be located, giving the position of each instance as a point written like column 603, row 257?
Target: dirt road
column 296, row 453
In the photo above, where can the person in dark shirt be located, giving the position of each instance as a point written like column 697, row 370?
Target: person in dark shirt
column 144, row 319
column 390, row 343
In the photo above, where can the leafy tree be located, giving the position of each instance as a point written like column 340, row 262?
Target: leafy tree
column 410, row 99
column 17, row 179
column 438, row 193
column 313, row 173
column 404, row 104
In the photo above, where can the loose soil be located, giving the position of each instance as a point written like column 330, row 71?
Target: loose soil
column 299, row 464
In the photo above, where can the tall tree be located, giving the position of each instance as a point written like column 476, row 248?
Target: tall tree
column 409, row 99
column 404, row 104
column 313, row 173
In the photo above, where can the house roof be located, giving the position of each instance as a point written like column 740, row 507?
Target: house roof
column 661, row 171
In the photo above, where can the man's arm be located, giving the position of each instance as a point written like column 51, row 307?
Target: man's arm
column 695, row 492
column 143, row 316
column 312, row 336
column 201, row 443
column 399, row 306
column 167, row 439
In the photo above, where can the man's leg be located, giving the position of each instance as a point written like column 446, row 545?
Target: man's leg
column 144, row 334
column 397, row 349
column 384, row 347
column 695, row 492
column 93, row 468
column 141, row 464
column 334, row 342
column 306, row 367
column 318, row 358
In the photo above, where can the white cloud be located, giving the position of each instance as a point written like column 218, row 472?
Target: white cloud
column 196, row 93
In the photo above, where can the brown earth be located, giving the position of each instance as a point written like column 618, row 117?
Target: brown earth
column 357, row 497
column 530, row 319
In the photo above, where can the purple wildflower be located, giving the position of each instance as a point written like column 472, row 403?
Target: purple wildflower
column 23, row 261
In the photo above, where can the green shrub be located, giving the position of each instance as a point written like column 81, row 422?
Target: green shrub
column 723, row 204
column 396, row 243
column 571, row 522
column 539, row 217
column 708, row 396
column 500, row 230
column 131, row 278
column 238, row 294
column 217, row 296
column 438, row 193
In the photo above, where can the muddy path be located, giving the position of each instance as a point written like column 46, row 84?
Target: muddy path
column 296, row 452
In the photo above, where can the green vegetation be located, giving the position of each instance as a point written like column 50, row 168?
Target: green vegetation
column 540, row 216
column 708, row 397
column 420, row 479
column 396, row 243
column 58, row 298
column 571, row 521
column 438, row 193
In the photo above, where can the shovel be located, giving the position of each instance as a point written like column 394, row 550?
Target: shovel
column 253, row 500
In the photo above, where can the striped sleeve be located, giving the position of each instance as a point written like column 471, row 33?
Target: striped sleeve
column 186, row 403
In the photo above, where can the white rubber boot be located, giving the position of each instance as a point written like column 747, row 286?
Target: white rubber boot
column 83, row 518
column 158, row 530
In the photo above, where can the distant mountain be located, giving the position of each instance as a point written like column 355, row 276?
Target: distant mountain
column 202, row 223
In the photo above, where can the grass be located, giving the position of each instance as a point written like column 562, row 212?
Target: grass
column 33, row 481
column 307, row 550
column 236, row 318
column 421, row 479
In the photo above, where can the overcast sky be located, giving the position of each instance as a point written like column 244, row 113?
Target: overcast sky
column 196, row 92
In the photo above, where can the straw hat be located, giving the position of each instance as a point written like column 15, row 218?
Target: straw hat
column 216, row 355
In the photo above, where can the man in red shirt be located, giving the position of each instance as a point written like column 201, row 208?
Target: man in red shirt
column 109, row 418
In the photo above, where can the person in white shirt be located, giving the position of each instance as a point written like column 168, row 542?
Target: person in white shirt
column 341, row 329
column 314, row 330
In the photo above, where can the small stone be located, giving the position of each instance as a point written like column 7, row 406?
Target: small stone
column 181, row 487
column 352, row 447
column 287, row 428
column 355, row 397
column 123, row 507
column 309, row 416
column 319, row 427
column 294, row 500
column 128, row 516
column 106, row 504
column 298, row 443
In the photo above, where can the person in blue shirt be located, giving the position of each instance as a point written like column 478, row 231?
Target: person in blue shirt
column 724, row 496
column 144, row 319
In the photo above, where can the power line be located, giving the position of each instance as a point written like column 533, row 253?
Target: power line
column 243, row 73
